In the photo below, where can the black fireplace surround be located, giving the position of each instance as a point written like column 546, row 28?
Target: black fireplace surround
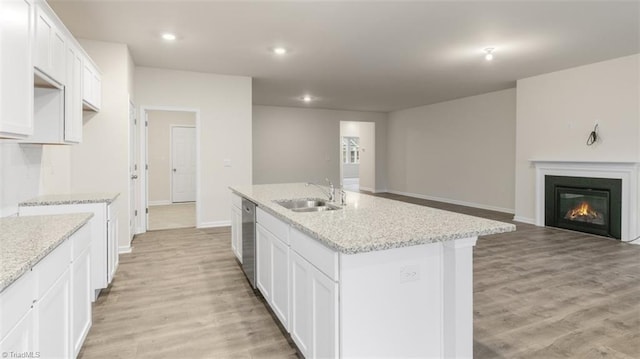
column 585, row 204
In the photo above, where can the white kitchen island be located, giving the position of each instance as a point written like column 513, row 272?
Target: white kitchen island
column 376, row 278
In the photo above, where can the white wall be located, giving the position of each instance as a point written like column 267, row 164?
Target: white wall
column 101, row 162
column 20, row 175
column 225, row 129
column 460, row 151
column 365, row 171
column 299, row 145
column 557, row 111
column 159, row 151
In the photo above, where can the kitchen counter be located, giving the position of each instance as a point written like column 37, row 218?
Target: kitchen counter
column 71, row 198
column 26, row 240
column 369, row 223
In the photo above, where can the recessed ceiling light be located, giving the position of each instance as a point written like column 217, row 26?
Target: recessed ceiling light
column 306, row 98
column 279, row 50
column 488, row 53
column 168, row 36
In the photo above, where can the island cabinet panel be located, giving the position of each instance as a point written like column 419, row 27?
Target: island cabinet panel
column 391, row 302
column 236, row 226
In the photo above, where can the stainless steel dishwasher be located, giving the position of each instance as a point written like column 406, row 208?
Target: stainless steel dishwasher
column 249, row 240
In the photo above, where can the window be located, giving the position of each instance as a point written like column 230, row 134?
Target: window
column 351, row 150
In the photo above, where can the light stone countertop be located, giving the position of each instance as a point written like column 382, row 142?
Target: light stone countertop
column 369, row 223
column 26, row 240
column 71, row 198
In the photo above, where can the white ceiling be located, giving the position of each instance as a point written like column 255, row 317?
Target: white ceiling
column 374, row 56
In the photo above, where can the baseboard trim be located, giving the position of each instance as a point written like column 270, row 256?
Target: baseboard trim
column 125, row 249
column 526, row 220
column 454, row 201
column 159, row 203
column 214, row 224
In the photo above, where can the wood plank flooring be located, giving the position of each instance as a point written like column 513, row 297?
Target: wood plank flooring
column 538, row 293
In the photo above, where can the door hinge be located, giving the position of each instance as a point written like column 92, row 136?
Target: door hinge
column 146, row 123
column 147, row 210
column 135, row 167
column 135, row 122
column 146, row 167
column 135, row 213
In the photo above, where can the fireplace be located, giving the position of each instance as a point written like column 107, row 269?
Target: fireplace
column 585, row 204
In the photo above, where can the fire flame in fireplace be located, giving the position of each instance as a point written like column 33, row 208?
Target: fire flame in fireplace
column 583, row 212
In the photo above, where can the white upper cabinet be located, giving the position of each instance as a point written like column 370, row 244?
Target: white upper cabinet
column 92, row 87
column 73, row 96
column 16, row 69
column 49, row 49
column 54, row 78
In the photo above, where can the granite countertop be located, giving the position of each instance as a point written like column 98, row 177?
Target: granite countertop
column 26, row 240
column 369, row 223
column 71, row 198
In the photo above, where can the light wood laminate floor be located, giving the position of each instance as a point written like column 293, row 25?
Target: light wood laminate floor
column 170, row 216
column 538, row 293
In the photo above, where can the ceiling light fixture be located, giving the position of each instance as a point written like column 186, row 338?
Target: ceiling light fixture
column 168, row 36
column 488, row 53
column 279, row 50
column 307, row 98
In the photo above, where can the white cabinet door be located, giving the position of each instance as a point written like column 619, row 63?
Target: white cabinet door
column 92, row 86
column 280, row 280
column 80, row 299
column 73, row 97
column 50, row 48
column 314, row 310
column 20, row 339
column 16, row 69
column 53, row 317
column 301, row 303
column 236, row 232
column 324, row 316
column 263, row 261
column 42, row 47
column 113, row 257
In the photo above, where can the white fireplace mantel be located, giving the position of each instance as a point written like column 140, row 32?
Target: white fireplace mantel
column 626, row 171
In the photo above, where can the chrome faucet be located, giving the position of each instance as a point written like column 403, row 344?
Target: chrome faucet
column 332, row 190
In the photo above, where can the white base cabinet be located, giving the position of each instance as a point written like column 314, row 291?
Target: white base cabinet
column 53, row 312
column 314, row 315
column 414, row 301
column 47, row 311
column 104, row 237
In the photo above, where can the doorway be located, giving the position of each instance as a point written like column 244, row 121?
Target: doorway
column 357, row 156
column 171, row 150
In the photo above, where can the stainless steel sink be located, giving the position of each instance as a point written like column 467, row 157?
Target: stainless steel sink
column 307, row 205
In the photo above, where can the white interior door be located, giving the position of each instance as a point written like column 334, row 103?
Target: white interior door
column 133, row 169
column 183, row 164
